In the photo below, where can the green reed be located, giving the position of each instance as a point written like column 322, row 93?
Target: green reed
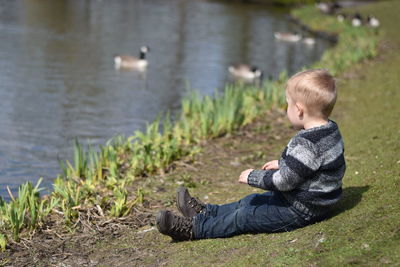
column 26, row 211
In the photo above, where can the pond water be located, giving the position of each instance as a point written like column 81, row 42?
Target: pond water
column 58, row 81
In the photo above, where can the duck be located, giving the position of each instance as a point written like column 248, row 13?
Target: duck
column 373, row 21
column 287, row 36
column 244, row 71
column 328, row 8
column 133, row 63
column 356, row 21
column 309, row 41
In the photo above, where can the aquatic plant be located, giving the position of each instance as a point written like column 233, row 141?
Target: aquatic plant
column 3, row 242
column 25, row 211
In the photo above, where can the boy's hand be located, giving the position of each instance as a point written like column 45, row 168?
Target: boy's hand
column 271, row 165
column 244, row 176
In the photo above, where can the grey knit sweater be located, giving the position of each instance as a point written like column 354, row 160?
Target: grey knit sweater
column 310, row 171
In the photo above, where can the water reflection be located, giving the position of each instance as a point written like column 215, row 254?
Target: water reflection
column 58, row 80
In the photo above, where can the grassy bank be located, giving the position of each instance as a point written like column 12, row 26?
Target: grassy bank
column 365, row 228
column 98, row 182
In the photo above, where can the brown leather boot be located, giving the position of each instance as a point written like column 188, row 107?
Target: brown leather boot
column 188, row 205
column 177, row 227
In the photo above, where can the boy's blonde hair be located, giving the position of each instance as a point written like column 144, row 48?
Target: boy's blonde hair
column 315, row 89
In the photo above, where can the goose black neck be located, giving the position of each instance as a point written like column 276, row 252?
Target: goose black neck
column 142, row 55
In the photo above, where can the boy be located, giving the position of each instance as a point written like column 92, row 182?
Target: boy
column 303, row 184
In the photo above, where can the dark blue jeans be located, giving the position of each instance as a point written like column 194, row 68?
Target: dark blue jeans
column 256, row 213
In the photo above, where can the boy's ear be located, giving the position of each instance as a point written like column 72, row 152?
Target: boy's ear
column 300, row 110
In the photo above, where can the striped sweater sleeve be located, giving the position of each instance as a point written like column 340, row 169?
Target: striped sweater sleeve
column 298, row 162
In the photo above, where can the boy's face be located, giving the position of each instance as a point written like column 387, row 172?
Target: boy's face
column 294, row 113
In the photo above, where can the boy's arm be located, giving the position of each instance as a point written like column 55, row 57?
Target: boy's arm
column 295, row 166
column 262, row 179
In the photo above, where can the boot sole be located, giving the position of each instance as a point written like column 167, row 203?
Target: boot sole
column 163, row 228
column 160, row 220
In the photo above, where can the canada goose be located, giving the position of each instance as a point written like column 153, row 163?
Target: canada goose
column 130, row 62
column 244, row 71
column 309, row 41
column 328, row 8
column 372, row 21
column 287, row 36
column 356, row 21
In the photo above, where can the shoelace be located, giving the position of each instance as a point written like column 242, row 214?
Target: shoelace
column 196, row 205
column 182, row 224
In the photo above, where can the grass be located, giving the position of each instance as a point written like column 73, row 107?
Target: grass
column 99, row 179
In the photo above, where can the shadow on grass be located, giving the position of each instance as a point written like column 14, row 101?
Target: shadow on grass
column 350, row 198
